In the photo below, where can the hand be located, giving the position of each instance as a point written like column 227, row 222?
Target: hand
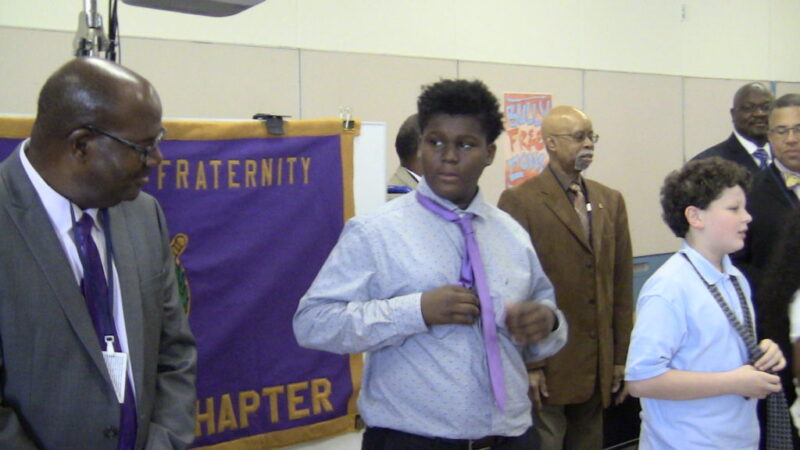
column 538, row 387
column 620, row 396
column 529, row 322
column 618, row 386
column 772, row 360
column 749, row 382
column 450, row 304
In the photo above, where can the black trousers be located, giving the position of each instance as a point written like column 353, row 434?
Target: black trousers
column 388, row 439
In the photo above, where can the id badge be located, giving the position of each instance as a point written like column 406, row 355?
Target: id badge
column 117, row 365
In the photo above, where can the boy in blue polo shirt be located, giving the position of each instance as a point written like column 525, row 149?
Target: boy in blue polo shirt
column 687, row 361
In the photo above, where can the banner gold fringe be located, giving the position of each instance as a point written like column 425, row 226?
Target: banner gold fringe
column 289, row 437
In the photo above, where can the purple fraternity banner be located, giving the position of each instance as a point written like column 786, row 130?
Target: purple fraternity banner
column 252, row 220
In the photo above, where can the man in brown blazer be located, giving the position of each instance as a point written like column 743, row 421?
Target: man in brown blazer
column 580, row 231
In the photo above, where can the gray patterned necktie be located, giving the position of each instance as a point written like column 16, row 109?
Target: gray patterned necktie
column 579, row 204
column 779, row 426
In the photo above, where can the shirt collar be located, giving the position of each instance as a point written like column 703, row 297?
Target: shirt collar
column 751, row 146
column 707, row 270
column 563, row 179
column 784, row 170
column 478, row 206
column 413, row 174
column 56, row 205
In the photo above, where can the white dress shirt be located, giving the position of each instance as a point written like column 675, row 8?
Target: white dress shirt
column 751, row 148
column 58, row 210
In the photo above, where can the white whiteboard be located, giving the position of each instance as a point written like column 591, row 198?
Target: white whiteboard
column 369, row 167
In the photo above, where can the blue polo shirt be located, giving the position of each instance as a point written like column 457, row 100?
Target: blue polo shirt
column 680, row 326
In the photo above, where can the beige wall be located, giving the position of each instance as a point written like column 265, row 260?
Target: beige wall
column 708, row 38
column 649, row 124
column 786, row 88
column 639, row 120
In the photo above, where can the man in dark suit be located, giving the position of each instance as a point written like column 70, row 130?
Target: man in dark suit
column 747, row 145
column 775, row 193
column 407, row 175
column 579, row 229
column 96, row 351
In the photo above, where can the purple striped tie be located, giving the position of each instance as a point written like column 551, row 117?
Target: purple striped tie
column 763, row 157
column 471, row 264
column 95, row 291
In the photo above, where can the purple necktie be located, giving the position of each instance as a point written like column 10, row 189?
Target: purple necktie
column 762, row 156
column 98, row 301
column 471, row 264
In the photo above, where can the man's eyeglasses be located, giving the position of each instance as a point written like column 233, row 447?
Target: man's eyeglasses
column 749, row 107
column 783, row 132
column 143, row 150
column 580, row 136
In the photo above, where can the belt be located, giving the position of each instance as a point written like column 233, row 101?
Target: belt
column 484, row 443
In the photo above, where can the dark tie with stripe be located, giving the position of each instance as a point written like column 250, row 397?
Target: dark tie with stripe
column 98, row 301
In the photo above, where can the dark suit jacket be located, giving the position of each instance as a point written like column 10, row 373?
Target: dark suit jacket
column 55, row 392
column 593, row 284
column 732, row 150
column 768, row 202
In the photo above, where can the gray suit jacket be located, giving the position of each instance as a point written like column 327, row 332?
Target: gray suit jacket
column 401, row 177
column 55, row 392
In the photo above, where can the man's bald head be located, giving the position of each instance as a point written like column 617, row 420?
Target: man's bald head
column 561, row 118
column 85, row 91
column 569, row 138
column 749, row 88
column 751, row 105
column 89, row 111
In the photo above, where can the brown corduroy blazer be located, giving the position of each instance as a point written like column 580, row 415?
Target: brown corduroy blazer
column 593, row 283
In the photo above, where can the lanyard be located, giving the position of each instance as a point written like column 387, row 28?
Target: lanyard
column 104, row 307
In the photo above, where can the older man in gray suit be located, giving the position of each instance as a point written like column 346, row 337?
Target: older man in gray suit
column 408, row 174
column 95, row 348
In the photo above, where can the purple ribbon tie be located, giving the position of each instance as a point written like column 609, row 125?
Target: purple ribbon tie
column 473, row 274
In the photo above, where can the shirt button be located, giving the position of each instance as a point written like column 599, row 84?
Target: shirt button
column 110, row 432
column 588, row 265
column 592, row 334
column 591, row 301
